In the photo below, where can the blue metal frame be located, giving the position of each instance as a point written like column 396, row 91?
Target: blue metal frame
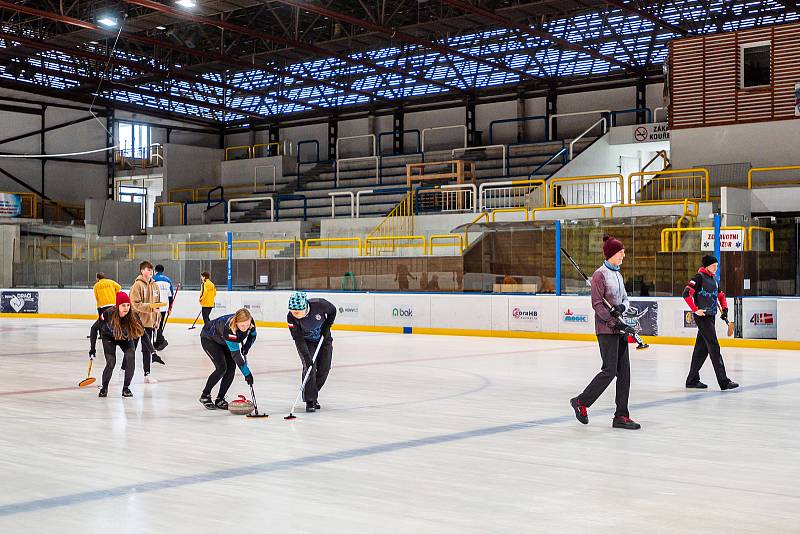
column 542, row 118
column 279, row 198
column 613, row 119
column 558, row 258
column 561, row 152
column 717, row 242
column 230, row 261
column 307, row 142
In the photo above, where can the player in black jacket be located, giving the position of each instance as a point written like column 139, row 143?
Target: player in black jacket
column 309, row 321
column 701, row 295
column 221, row 339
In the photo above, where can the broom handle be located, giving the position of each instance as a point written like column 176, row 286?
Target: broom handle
column 308, row 374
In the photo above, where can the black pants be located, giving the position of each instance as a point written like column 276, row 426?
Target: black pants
column 160, row 331
column 706, row 345
column 110, row 350
column 206, row 310
column 616, row 363
column 322, row 366
column 224, row 367
column 147, row 350
column 95, row 330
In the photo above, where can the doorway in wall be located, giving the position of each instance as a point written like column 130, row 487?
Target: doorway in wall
column 143, row 190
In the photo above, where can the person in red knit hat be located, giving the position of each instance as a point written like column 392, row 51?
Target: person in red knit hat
column 612, row 336
column 120, row 328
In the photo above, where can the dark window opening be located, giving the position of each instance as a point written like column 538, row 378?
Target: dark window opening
column 756, row 66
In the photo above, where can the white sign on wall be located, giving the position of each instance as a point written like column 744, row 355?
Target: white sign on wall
column 524, row 317
column 760, row 318
column 256, row 307
column 729, row 240
column 647, row 133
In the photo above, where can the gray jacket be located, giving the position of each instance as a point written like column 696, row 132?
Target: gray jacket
column 609, row 284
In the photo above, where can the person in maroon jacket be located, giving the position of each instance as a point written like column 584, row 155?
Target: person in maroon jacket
column 609, row 301
column 702, row 294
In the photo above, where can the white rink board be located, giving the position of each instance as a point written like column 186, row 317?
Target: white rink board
column 499, row 313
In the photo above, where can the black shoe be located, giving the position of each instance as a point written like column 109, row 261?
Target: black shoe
column 103, row 393
column 642, row 346
column 317, row 406
column 730, row 385
column 207, row 402
column 126, row 392
column 161, row 345
column 625, row 422
column 310, row 407
column 221, row 403
column 580, row 410
column 696, row 385
column 157, row 359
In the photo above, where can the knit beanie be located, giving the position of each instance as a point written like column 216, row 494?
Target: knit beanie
column 123, row 298
column 611, row 246
column 709, row 260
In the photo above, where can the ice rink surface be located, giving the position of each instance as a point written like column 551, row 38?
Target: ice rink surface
column 416, row 434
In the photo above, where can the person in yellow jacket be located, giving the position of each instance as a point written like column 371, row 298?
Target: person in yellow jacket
column 207, row 295
column 105, row 296
column 146, row 301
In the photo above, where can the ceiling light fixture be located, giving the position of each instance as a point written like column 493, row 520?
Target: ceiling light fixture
column 162, row 28
column 107, row 21
column 187, row 3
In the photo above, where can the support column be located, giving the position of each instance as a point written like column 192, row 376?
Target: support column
column 333, row 134
column 520, row 114
column 551, row 109
column 398, row 125
column 470, row 121
column 42, row 149
column 110, row 163
column 558, row 258
column 717, row 242
column 641, row 101
column 273, row 135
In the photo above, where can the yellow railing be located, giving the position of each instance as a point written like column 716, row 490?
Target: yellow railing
column 670, row 184
column 564, row 208
column 356, row 243
column 769, row 232
column 395, row 238
column 399, row 221
column 586, row 190
column 205, row 246
column 160, row 247
column 192, row 194
column 254, row 148
column 756, row 170
column 685, row 203
column 446, row 237
column 230, row 149
column 666, row 233
column 245, row 248
column 296, row 241
column 473, row 222
column 160, row 205
column 510, row 210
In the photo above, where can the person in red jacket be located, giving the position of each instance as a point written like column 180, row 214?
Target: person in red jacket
column 701, row 295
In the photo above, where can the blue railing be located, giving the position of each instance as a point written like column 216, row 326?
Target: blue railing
column 281, row 198
column 307, row 142
column 542, row 118
column 562, row 152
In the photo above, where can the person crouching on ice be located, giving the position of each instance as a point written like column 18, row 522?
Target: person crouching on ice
column 701, row 295
column 310, row 321
column 221, row 338
column 612, row 336
column 119, row 327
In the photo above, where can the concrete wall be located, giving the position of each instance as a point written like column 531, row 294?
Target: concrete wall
column 191, row 166
column 244, row 172
column 761, row 144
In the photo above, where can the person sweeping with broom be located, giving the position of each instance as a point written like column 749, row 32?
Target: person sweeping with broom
column 701, row 295
column 119, row 327
column 227, row 340
column 310, row 321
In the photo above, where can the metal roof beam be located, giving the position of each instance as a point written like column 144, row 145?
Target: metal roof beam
column 658, row 21
column 561, row 43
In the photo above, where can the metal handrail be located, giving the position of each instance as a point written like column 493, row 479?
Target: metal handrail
column 294, row 241
column 614, row 113
column 276, row 144
column 280, row 198
column 602, row 112
column 253, row 199
column 358, row 242
column 510, row 210
column 561, row 152
column 472, row 188
column 394, row 238
column 655, row 174
column 542, row 118
column 555, row 183
column 444, row 237
column 500, row 185
column 377, row 166
column 159, row 205
column 365, row 136
column 656, row 110
column 335, row 194
column 274, row 176
column 460, row 126
column 401, row 132
column 307, row 142
column 504, row 148
column 754, row 170
column 600, row 207
column 230, row 148
column 659, row 154
column 367, row 192
column 589, row 129
column 177, row 248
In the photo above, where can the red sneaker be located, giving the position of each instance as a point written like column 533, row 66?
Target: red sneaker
column 580, row 410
